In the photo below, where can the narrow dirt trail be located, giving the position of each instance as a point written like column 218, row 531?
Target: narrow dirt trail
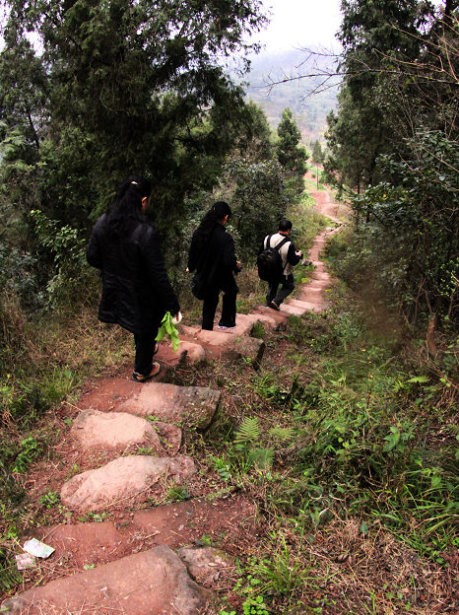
column 122, row 548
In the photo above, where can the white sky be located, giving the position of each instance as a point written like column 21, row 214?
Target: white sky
column 301, row 23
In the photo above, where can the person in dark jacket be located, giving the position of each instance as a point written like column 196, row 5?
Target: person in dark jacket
column 136, row 292
column 212, row 256
column 290, row 257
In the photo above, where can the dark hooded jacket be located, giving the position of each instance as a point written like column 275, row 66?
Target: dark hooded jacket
column 215, row 260
column 136, row 291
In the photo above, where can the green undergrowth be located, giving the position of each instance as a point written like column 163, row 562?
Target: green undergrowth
column 345, row 426
column 58, row 355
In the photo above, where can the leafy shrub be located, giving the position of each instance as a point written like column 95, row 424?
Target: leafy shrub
column 411, row 242
column 68, row 283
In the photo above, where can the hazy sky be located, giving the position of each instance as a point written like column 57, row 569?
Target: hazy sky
column 301, row 23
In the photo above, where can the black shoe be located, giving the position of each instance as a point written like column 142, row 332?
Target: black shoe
column 273, row 305
column 155, row 369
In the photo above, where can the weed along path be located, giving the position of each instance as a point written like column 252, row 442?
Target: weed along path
column 146, row 530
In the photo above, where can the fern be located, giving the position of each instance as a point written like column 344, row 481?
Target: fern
column 248, row 432
column 261, row 458
column 282, row 434
column 9, row 577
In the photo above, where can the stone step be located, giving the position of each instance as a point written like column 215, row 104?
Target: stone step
column 321, row 276
column 188, row 352
column 313, row 288
column 156, row 582
column 313, row 304
column 124, row 482
column 95, row 431
column 227, row 344
column 280, row 319
column 190, row 406
column 168, row 403
column 292, row 310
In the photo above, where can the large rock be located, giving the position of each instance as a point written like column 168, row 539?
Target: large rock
column 155, row 582
column 246, row 348
column 114, row 431
column 192, row 406
column 231, row 344
column 124, row 480
column 188, row 353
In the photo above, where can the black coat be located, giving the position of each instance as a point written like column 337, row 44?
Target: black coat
column 136, row 291
column 215, row 260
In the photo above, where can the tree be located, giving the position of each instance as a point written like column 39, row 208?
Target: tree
column 317, row 155
column 136, row 87
column 394, row 140
column 291, row 155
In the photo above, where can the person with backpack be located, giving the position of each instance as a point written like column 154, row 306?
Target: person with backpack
column 275, row 262
column 212, row 257
column 136, row 291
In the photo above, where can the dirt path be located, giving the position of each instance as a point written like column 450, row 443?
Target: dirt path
column 122, row 547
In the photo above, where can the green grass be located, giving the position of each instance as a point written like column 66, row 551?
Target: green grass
column 347, row 432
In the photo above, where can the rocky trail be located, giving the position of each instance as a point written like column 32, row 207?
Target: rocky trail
column 127, row 445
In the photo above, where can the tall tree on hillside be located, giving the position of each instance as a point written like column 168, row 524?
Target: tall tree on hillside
column 136, row 86
column 317, row 154
column 291, row 154
column 372, row 34
column 394, row 139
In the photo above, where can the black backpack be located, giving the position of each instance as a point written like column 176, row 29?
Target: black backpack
column 269, row 261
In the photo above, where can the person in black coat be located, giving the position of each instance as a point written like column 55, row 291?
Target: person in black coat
column 212, row 256
column 136, row 292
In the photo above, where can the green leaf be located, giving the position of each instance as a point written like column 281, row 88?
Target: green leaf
column 169, row 329
column 419, row 380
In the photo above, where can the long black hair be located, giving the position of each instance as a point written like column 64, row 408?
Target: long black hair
column 127, row 205
column 214, row 216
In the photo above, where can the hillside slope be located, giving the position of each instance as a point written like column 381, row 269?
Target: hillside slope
column 308, row 99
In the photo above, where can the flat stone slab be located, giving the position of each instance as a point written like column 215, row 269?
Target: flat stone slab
column 155, row 582
column 119, row 431
column 123, row 481
column 292, row 310
column 234, row 343
column 281, row 319
column 321, row 276
column 188, row 353
column 191, row 406
column 316, row 305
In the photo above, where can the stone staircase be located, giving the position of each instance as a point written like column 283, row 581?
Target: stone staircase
column 152, row 561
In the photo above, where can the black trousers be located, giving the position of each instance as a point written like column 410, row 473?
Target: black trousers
column 209, row 307
column 278, row 295
column 144, row 350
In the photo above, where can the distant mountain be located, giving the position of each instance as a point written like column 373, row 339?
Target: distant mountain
column 310, row 98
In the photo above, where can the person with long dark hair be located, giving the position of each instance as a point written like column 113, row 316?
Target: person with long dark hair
column 136, row 291
column 212, row 256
